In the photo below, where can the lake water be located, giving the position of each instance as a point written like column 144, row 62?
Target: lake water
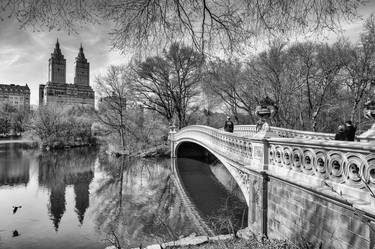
column 80, row 198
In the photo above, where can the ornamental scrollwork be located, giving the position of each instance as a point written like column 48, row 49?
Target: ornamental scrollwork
column 245, row 179
column 353, row 169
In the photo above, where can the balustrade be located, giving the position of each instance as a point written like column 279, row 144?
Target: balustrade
column 347, row 163
column 250, row 130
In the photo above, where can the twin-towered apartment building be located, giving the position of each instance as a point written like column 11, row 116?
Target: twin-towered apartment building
column 56, row 91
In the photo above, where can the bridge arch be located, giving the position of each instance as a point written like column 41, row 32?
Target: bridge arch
column 191, row 147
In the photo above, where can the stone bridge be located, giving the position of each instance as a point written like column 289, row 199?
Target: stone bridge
column 301, row 186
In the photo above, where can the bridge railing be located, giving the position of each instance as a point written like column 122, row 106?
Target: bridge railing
column 230, row 145
column 343, row 165
column 347, row 167
column 250, row 130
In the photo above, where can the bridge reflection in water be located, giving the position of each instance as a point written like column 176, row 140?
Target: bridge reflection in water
column 212, row 189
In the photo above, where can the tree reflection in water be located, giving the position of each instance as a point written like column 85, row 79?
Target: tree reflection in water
column 138, row 202
column 59, row 169
column 14, row 167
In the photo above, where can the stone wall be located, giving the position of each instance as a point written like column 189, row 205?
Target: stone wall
column 307, row 218
column 281, row 210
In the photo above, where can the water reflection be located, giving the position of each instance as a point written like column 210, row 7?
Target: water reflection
column 14, row 168
column 139, row 202
column 215, row 193
column 73, row 199
column 57, row 170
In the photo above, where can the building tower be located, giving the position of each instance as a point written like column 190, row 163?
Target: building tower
column 82, row 74
column 57, row 66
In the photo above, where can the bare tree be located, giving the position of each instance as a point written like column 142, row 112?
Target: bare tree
column 210, row 103
column 269, row 70
column 46, row 122
column 302, row 66
column 325, row 83
column 115, row 97
column 168, row 84
column 207, row 23
column 359, row 69
column 315, row 67
column 226, row 78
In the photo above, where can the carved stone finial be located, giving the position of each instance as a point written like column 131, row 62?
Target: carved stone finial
column 265, row 111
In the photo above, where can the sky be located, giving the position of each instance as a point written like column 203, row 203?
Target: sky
column 24, row 54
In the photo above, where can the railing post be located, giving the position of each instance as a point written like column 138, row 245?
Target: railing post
column 172, row 132
column 260, row 163
column 260, row 154
column 264, row 203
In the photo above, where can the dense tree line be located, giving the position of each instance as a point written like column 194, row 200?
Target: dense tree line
column 315, row 86
column 57, row 127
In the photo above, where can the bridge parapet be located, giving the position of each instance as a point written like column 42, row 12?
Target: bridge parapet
column 250, row 130
column 348, row 168
column 230, row 145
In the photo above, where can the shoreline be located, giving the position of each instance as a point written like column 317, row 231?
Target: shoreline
column 31, row 144
column 27, row 142
column 157, row 151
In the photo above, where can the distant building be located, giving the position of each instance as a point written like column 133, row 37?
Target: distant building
column 16, row 95
column 57, row 91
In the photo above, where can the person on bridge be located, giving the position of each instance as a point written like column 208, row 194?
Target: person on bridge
column 349, row 131
column 340, row 135
column 228, row 126
column 259, row 125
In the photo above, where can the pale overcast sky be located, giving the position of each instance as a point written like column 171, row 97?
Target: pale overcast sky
column 24, row 54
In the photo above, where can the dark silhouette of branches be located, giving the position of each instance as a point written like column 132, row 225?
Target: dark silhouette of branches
column 206, row 23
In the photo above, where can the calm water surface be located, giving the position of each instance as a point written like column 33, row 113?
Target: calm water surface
column 80, row 199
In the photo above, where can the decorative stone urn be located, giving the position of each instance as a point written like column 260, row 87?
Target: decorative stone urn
column 369, row 113
column 265, row 111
